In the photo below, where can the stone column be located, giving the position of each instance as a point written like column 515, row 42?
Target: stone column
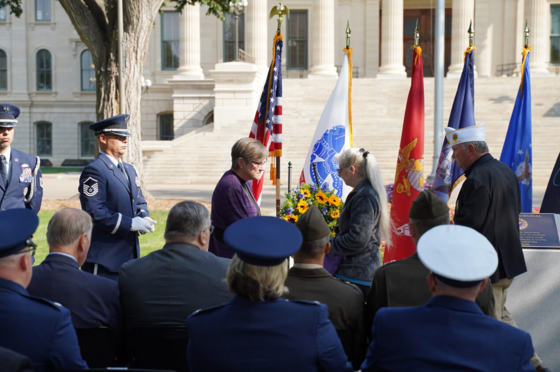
column 392, row 40
column 538, row 23
column 372, row 38
column 189, row 44
column 256, row 35
column 483, row 40
column 462, row 14
column 323, row 40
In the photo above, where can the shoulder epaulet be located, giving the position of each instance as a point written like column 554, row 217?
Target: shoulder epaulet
column 305, row 302
column 49, row 303
column 206, row 310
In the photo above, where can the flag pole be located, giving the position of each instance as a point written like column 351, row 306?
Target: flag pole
column 280, row 11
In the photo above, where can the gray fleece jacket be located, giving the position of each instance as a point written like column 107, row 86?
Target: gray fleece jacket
column 358, row 236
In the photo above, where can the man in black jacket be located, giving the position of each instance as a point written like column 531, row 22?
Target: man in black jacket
column 167, row 285
column 490, row 203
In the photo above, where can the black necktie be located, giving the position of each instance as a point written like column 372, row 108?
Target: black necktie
column 4, row 168
column 121, row 167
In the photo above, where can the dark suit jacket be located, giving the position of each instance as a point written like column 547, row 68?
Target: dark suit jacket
column 271, row 336
column 446, row 334
column 403, row 284
column 92, row 300
column 10, row 361
column 167, row 285
column 490, row 203
column 344, row 301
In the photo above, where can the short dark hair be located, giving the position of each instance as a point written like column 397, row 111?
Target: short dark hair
column 186, row 220
column 314, row 247
column 422, row 226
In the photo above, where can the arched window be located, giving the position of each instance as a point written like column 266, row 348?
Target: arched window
column 88, row 72
column 44, row 70
column 166, row 130
column 3, row 70
column 44, row 138
column 87, row 141
column 43, row 10
column 3, row 14
column 169, row 41
column 209, row 119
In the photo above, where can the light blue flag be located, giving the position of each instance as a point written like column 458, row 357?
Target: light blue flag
column 517, row 152
column 448, row 174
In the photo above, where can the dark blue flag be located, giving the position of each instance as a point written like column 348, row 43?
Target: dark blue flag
column 448, row 174
column 517, row 152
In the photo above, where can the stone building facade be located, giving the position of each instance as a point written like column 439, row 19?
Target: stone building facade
column 47, row 70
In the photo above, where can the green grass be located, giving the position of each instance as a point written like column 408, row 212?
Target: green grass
column 148, row 242
column 51, row 170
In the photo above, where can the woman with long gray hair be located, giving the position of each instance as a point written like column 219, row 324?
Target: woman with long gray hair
column 364, row 219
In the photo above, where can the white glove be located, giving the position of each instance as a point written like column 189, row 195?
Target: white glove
column 140, row 224
column 153, row 223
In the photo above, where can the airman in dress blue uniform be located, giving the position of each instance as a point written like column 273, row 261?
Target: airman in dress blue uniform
column 40, row 329
column 21, row 182
column 271, row 334
column 110, row 192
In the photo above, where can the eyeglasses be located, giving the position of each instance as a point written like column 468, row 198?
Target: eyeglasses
column 339, row 170
column 120, row 138
column 259, row 165
column 32, row 248
column 210, row 229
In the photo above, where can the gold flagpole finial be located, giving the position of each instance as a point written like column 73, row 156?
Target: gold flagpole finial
column 416, row 34
column 348, row 32
column 471, row 35
column 526, row 32
column 281, row 10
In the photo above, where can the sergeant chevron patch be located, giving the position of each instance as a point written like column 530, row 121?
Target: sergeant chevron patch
column 90, row 187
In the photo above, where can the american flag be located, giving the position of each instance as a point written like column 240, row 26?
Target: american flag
column 267, row 125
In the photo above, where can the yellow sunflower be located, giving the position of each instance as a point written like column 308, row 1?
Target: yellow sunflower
column 291, row 218
column 334, row 200
column 302, row 206
column 335, row 214
column 306, row 193
column 321, row 197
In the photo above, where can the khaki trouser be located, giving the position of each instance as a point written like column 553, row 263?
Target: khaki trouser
column 500, row 293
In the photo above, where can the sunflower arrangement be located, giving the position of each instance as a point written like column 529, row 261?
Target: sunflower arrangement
column 299, row 200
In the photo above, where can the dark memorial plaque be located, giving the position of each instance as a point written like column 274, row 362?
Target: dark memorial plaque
column 539, row 230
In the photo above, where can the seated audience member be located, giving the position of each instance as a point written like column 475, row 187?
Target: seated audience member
column 257, row 330
column 10, row 361
column 450, row 332
column 308, row 280
column 37, row 328
column 403, row 283
column 166, row 286
column 92, row 300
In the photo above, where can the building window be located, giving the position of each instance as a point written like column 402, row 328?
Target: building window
column 87, row 141
column 3, row 14
column 88, row 72
column 43, row 10
column 44, row 139
column 170, row 41
column 166, row 131
column 229, row 35
column 44, row 70
column 555, row 34
column 297, row 40
column 3, row 70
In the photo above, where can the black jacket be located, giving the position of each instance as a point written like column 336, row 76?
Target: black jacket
column 490, row 203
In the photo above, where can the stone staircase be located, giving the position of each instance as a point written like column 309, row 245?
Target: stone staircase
column 378, row 112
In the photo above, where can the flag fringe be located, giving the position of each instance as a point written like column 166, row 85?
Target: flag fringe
column 468, row 50
column 277, row 37
column 461, row 178
column 524, row 53
column 350, row 69
column 417, row 52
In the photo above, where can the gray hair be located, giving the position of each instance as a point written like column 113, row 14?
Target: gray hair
column 422, row 226
column 368, row 168
column 66, row 227
column 314, row 247
column 249, row 149
column 186, row 220
column 479, row 146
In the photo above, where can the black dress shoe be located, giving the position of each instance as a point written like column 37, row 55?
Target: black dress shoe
column 543, row 368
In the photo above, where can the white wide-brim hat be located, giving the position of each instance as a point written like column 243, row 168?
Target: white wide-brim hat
column 463, row 135
column 458, row 253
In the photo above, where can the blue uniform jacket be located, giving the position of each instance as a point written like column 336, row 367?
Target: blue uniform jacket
column 446, row 334
column 19, row 186
column 112, row 202
column 39, row 329
column 270, row 336
column 92, row 300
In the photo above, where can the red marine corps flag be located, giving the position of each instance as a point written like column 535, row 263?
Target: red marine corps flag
column 409, row 176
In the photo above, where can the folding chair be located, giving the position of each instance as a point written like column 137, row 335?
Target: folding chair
column 99, row 346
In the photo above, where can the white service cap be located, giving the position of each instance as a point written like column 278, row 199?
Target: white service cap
column 463, row 135
column 457, row 253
